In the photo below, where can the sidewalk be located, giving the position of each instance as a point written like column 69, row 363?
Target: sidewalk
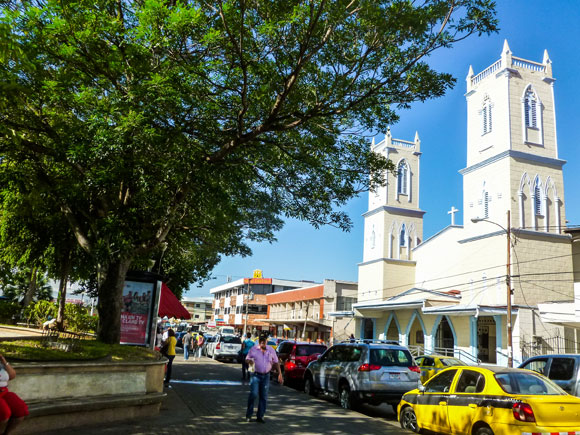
column 208, row 397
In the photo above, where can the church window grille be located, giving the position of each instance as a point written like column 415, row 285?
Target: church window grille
column 403, row 178
column 486, row 116
column 403, row 237
column 530, row 109
column 484, row 204
column 538, row 197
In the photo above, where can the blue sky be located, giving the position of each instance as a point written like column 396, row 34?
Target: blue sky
column 530, row 26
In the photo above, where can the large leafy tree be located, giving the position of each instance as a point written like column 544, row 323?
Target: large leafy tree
column 207, row 123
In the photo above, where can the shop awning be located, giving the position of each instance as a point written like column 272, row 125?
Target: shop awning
column 170, row 306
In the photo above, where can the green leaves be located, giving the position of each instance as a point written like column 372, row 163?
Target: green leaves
column 204, row 124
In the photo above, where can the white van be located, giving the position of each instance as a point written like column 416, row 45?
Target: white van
column 227, row 330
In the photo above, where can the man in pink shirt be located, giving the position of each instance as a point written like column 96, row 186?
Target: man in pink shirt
column 262, row 357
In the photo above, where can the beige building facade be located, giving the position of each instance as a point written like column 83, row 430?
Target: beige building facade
column 449, row 293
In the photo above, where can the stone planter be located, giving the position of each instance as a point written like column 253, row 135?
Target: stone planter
column 67, row 394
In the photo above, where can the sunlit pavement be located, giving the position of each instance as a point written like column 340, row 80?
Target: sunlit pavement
column 208, row 397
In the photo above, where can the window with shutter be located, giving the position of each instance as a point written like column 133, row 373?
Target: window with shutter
column 403, row 178
column 403, row 236
column 530, row 109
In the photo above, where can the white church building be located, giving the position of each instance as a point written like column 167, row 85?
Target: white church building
column 449, row 293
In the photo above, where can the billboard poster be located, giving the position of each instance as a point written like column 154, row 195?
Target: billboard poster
column 138, row 298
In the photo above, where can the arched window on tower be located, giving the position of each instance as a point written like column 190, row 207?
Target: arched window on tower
column 530, row 109
column 403, row 237
column 486, row 116
column 403, row 178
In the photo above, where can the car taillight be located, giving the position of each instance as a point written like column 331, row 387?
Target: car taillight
column 415, row 369
column 290, row 365
column 368, row 368
column 293, row 358
column 523, row 412
column 217, row 346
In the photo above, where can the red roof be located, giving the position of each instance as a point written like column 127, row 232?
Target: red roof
column 170, row 306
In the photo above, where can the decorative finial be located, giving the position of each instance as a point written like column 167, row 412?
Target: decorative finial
column 506, row 47
column 373, row 142
column 470, row 72
column 417, row 137
column 388, row 131
column 546, row 58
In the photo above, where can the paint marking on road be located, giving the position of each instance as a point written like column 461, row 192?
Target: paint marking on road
column 210, row 382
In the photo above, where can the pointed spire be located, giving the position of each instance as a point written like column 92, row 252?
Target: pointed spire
column 373, row 143
column 470, row 72
column 417, row 142
column 546, row 59
column 388, row 131
column 506, row 47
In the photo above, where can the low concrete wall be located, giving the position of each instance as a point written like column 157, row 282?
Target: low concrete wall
column 69, row 394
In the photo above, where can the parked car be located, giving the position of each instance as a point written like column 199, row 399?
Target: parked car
column 209, row 341
column 363, row 371
column 294, row 356
column 225, row 347
column 179, row 337
column 430, row 365
column 563, row 369
column 489, row 400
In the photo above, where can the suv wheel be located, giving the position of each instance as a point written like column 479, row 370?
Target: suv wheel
column 409, row 420
column 346, row 398
column 309, row 386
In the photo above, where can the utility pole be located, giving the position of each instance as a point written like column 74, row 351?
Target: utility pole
column 246, row 296
column 509, row 292
column 305, row 321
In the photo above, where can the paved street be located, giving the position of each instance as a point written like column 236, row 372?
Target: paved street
column 207, row 397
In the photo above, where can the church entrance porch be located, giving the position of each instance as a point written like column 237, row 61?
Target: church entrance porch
column 444, row 338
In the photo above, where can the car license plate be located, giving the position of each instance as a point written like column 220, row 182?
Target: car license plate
column 395, row 376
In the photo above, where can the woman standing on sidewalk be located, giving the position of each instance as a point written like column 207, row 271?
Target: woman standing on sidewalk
column 171, row 342
column 12, row 408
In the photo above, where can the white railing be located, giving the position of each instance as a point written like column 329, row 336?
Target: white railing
column 479, row 77
column 528, row 64
column 402, row 143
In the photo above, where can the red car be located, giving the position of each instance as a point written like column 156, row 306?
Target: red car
column 294, row 356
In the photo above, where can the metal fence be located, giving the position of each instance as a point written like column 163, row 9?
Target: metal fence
column 549, row 346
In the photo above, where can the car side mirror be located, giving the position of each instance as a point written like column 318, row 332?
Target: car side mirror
column 421, row 387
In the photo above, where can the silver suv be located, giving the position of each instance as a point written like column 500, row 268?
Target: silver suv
column 368, row 371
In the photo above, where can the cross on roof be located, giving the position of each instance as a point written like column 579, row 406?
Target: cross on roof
column 452, row 213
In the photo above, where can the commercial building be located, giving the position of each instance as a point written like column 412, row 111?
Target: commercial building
column 313, row 313
column 200, row 309
column 243, row 302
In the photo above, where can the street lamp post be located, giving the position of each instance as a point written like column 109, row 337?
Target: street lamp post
column 507, row 281
column 247, row 297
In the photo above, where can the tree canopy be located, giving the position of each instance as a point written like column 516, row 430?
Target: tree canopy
column 204, row 124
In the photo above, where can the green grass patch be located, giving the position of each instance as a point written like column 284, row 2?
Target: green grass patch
column 85, row 350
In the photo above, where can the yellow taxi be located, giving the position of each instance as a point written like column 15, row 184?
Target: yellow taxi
column 490, row 400
column 270, row 342
column 430, row 365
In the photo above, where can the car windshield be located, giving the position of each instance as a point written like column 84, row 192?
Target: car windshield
column 391, row 357
column 309, row 350
column 231, row 339
column 452, row 362
column 527, row 383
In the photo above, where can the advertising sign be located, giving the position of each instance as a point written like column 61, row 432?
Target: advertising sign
column 136, row 312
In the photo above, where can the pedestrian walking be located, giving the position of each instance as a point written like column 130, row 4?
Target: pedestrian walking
column 246, row 346
column 262, row 357
column 171, row 342
column 12, row 408
column 200, row 342
column 186, row 340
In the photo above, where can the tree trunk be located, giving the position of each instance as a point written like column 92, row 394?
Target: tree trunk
column 62, row 291
column 31, row 287
column 110, row 301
